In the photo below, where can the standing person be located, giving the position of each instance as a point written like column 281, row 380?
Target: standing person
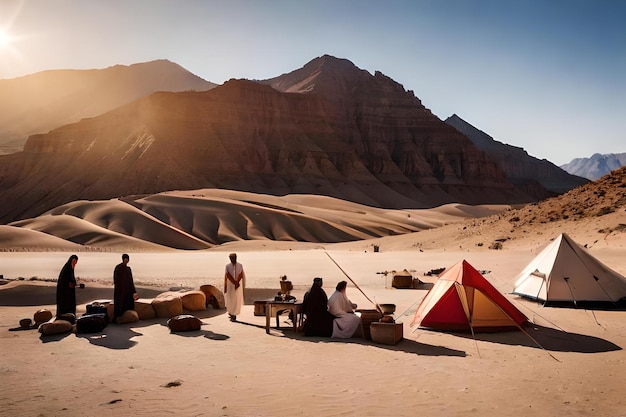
column 346, row 322
column 66, row 287
column 124, row 293
column 319, row 322
column 234, row 284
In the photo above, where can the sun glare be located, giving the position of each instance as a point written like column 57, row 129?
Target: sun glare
column 5, row 39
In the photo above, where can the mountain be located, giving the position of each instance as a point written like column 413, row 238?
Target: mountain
column 46, row 100
column 523, row 170
column 339, row 132
column 596, row 166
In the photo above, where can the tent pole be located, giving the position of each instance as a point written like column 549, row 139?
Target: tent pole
column 537, row 343
column 526, row 333
column 566, row 279
column 604, row 291
column 355, row 284
column 474, row 337
column 410, row 307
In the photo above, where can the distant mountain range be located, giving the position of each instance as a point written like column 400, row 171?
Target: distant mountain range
column 597, row 166
column 328, row 128
column 46, row 100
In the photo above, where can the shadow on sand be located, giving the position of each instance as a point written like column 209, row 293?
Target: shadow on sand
column 404, row 345
column 550, row 339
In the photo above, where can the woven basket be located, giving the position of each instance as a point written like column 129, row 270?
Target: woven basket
column 386, row 333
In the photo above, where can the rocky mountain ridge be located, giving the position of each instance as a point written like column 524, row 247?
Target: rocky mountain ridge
column 46, row 100
column 596, row 166
column 525, row 171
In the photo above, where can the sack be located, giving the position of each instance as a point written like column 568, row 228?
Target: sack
column 96, row 309
column 91, row 323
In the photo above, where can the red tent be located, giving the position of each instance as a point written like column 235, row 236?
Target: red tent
column 462, row 299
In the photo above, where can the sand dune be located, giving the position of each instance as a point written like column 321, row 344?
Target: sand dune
column 201, row 219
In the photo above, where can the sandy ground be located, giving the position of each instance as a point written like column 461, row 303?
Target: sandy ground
column 566, row 362
column 570, row 363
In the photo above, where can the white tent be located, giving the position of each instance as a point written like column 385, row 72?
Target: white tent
column 566, row 273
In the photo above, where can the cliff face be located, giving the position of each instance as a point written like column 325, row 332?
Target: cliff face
column 539, row 178
column 335, row 130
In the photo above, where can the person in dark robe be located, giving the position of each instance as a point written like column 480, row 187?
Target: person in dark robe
column 124, row 293
column 66, row 287
column 319, row 321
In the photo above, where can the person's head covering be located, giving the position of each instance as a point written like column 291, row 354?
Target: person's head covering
column 317, row 281
column 341, row 286
column 68, row 267
column 125, row 256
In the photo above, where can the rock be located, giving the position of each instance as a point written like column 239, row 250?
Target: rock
column 55, row 327
column 26, row 323
column 110, row 311
column 168, row 305
column 42, row 316
column 213, row 296
column 67, row 317
column 144, row 310
column 129, row 316
column 194, row 300
column 184, row 323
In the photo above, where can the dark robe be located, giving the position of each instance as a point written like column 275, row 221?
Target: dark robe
column 319, row 321
column 66, row 292
column 124, row 288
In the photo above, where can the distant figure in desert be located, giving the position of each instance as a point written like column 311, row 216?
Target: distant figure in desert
column 319, row 321
column 234, row 284
column 124, row 293
column 346, row 322
column 66, row 287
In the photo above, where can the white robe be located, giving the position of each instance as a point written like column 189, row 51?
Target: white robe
column 234, row 296
column 346, row 322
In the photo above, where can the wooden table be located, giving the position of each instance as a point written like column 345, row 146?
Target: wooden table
column 279, row 306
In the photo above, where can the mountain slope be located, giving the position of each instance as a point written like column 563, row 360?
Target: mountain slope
column 596, row 166
column 43, row 101
column 522, row 169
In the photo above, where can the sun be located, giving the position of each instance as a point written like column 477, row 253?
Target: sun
column 5, row 39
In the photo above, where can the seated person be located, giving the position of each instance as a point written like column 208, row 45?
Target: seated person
column 346, row 322
column 319, row 322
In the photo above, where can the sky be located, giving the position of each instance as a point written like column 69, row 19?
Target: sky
column 545, row 75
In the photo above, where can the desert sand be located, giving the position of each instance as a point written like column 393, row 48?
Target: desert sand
column 571, row 362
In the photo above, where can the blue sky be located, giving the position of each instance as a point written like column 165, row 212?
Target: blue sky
column 547, row 76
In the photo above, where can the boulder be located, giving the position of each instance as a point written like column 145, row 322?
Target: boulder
column 184, row 323
column 168, row 305
column 194, row 300
column 129, row 316
column 213, row 296
column 144, row 310
column 55, row 327
column 67, row 317
column 42, row 316
column 110, row 312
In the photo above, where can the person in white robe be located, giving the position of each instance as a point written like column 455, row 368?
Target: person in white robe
column 234, row 284
column 346, row 322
